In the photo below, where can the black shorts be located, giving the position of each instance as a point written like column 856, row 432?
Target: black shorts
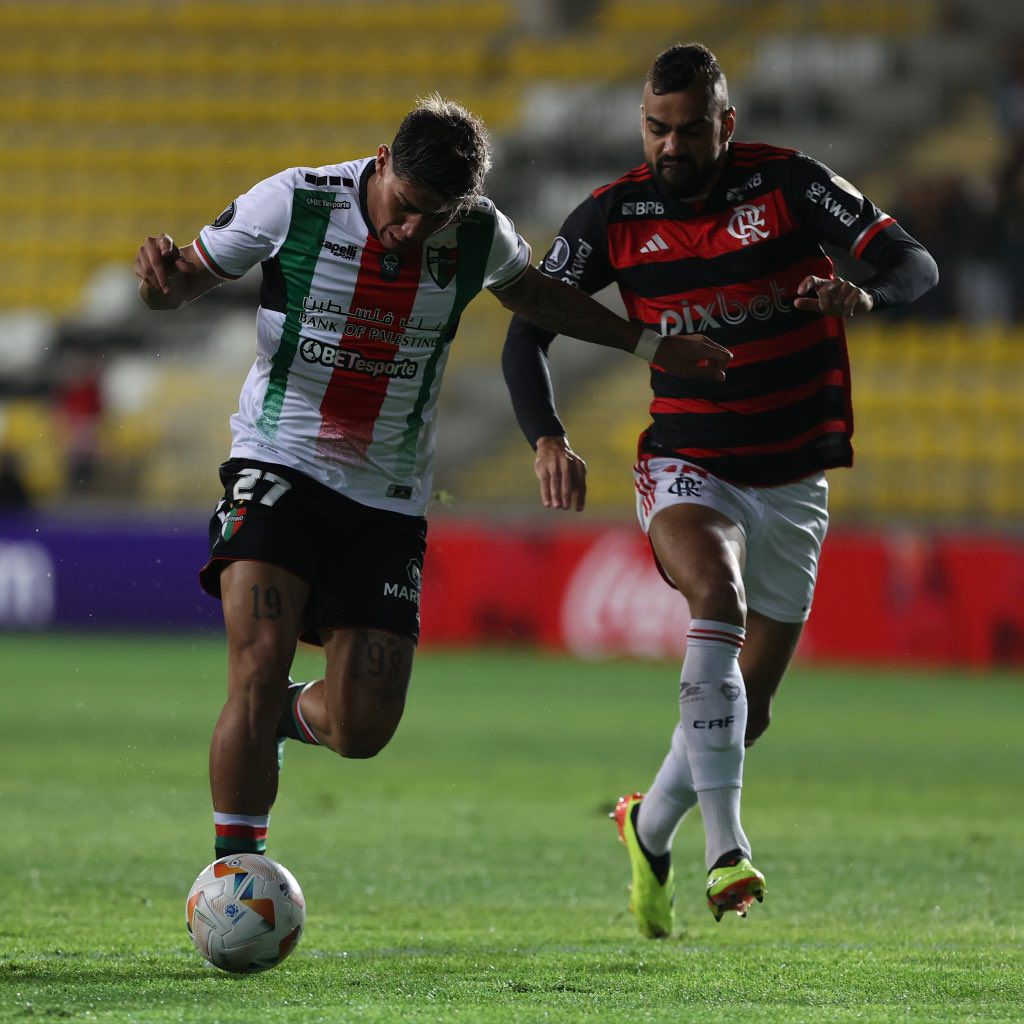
column 363, row 565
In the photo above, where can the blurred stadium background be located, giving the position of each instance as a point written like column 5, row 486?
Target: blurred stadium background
column 121, row 119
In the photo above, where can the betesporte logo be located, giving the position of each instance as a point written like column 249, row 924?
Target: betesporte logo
column 339, row 358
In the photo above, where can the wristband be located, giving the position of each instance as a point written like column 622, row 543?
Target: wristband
column 647, row 346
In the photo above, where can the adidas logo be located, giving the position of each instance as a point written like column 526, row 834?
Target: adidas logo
column 655, row 244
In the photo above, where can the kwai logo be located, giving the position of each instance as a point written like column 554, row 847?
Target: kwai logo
column 820, row 195
column 696, row 317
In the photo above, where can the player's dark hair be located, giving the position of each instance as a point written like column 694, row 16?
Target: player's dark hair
column 441, row 146
column 686, row 64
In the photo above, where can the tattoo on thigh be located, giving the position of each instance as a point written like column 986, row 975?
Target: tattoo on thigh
column 266, row 602
column 384, row 662
column 387, row 662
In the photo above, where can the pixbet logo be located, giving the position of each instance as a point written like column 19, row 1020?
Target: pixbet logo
column 695, row 318
column 747, row 223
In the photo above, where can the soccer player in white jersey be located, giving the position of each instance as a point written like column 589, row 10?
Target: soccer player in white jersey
column 320, row 534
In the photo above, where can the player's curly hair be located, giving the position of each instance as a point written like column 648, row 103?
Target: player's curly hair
column 441, row 146
column 685, row 64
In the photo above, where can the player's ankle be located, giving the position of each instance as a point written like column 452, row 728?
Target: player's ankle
column 661, row 863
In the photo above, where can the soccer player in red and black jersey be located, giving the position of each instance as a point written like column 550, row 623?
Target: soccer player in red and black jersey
column 720, row 238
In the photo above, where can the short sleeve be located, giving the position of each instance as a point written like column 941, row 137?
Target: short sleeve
column 250, row 230
column 509, row 256
column 833, row 209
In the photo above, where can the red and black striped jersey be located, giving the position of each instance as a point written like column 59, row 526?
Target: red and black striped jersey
column 728, row 267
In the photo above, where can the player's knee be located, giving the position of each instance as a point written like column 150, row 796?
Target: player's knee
column 717, row 599
column 360, row 745
column 362, row 739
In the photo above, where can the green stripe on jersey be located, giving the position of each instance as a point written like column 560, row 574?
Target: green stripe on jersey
column 298, row 257
column 473, row 239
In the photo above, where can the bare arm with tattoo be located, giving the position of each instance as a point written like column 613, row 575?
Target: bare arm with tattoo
column 566, row 310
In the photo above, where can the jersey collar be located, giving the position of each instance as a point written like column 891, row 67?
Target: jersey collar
column 364, row 179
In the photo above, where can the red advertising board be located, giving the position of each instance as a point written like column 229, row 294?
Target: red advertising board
column 883, row 598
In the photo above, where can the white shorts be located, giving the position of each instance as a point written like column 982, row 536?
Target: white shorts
column 784, row 527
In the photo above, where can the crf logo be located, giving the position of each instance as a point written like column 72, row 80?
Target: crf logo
column 714, row 723
column 747, row 223
column 685, row 486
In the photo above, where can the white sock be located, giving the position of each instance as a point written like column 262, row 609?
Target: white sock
column 713, row 715
column 720, row 809
column 669, row 798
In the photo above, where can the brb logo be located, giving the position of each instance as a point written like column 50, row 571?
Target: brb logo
column 643, row 209
column 747, row 223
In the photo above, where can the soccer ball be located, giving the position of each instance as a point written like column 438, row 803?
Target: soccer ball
column 245, row 913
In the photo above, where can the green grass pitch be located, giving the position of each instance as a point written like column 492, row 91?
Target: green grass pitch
column 470, row 873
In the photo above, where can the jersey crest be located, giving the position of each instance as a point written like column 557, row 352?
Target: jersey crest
column 442, row 262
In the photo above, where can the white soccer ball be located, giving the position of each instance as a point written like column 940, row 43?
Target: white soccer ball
column 245, row 913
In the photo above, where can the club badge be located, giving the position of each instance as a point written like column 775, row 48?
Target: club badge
column 390, row 266
column 442, row 262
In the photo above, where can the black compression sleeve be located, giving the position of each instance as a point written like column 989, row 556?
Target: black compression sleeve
column 904, row 269
column 524, row 361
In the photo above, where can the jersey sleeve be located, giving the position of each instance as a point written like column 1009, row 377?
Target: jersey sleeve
column 579, row 254
column 579, row 257
column 831, row 208
column 250, row 230
column 509, row 256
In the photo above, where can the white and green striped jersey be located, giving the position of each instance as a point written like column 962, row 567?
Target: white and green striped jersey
column 351, row 339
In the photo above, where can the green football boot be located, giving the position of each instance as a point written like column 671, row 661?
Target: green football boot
column 734, row 887
column 651, row 901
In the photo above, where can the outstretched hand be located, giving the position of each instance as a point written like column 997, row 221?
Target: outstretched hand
column 692, row 356
column 562, row 474
column 832, row 297
column 159, row 261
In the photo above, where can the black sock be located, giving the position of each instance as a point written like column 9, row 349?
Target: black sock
column 728, row 859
